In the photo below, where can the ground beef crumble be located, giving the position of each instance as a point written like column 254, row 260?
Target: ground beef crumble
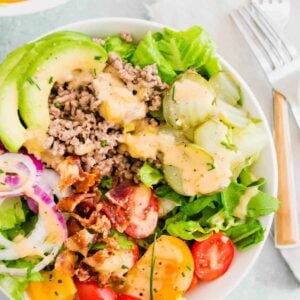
column 76, row 128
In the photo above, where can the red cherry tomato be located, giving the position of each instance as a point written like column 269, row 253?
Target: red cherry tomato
column 91, row 291
column 212, row 256
column 143, row 212
column 127, row 297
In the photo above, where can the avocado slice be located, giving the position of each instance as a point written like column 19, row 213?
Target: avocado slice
column 52, row 66
column 12, row 132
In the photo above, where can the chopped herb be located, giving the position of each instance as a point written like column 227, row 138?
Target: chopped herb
column 182, row 274
column 103, row 143
column 189, row 268
column 56, row 293
column 50, row 80
column 50, row 277
column 227, row 144
column 57, row 104
column 212, row 166
column 124, row 267
column 173, row 93
column 32, row 82
column 1, row 171
column 98, row 57
column 106, row 182
column 94, row 72
column 153, row 259
column 122, row 282
column 155, row 290
column 59, row 281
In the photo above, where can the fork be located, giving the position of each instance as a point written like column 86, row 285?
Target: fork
column 281, row 64
column 277, row 11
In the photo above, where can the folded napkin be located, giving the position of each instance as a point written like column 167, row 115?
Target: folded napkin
column 214, row 16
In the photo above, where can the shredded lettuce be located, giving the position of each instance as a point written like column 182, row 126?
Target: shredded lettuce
column 117, row 45
column 150, row 175
column 11, row 213
column 15, row 286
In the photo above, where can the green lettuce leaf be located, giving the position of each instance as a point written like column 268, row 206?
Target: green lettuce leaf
column 231, row 197
column 147, row 53
column 262, row 204
column 150, row 175
column 186, row 49
column 246, row 235
column 122, row 239
column 11, row 213
column 247, row 178
column 187, row 230
column 196, row 206
column 117, row 45
column 165, row 192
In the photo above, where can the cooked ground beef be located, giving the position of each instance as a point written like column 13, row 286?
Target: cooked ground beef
column 76, row 127
column 126, row 36
column 137, row 79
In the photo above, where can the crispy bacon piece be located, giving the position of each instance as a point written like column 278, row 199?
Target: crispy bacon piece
column 110, row 263
column 120, row 194
column 70, row 171
column 88, row 181
column 97, row 222
column 85, row 272
column 65, row 262
column 73, row 226
column 116, row 215
column 69, row 204
column 80, row 241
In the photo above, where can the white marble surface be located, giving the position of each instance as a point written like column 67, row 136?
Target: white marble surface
column 270, row 277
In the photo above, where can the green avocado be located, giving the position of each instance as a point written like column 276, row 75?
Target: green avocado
column 12, row 75
column 51, row 66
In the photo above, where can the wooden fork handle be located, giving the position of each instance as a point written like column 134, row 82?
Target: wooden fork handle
column 286, row 223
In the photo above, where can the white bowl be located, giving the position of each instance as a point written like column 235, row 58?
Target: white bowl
column 28, row 7
column 266, row 166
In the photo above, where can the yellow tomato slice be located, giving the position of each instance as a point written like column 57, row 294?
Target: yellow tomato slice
column 57, row 286
column 173, row 271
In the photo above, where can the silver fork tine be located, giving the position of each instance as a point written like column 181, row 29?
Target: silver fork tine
column 261, row 57
column 247, row 18
column 293, row 53
column 274, row 42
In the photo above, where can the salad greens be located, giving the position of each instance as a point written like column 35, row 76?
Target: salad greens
column 11, row 213
column 117, row 45
column 197, row 217
column 149, row 175
column 176, row 51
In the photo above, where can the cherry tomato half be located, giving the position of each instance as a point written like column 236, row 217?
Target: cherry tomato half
column 212, row 256
column 91, row 291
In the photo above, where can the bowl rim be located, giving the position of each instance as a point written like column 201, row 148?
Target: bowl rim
column 245, row 87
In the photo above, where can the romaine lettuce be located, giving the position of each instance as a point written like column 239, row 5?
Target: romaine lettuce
column 150, row 175
column 11, row 213
column 117, row 45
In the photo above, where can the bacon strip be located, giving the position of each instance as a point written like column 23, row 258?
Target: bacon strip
column 80, row 241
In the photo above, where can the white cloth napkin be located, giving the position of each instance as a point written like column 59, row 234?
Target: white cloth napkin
column 214, row 16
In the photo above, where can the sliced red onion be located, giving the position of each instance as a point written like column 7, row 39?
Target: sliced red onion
column 33, row 206
column 12, row 180
column 23, row 167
